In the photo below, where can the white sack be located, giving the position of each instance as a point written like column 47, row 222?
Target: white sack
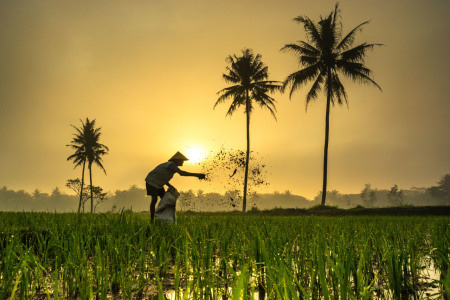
column 166, row 207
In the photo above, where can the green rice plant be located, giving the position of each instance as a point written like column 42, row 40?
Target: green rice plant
column 56, row 280
column 281, row 273
column 306, row 267
column 396, row 263
column 100, row 274
column 321, row 267
column 27, row 277
column 299, row 266
column 187, row 270
column 224, row 270
column 338, row 265
column 126, row 281
column 364, row 276
column 177, row 275
column 220, row 256
column 10, row 254
column 86, row 279
column 261, row 261
column 241, row 284
column 440, row 253
column 141, row 265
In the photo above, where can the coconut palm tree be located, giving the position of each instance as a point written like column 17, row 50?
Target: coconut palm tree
column 248, row 78
column 87, row 149
column 79, row 157
column 324, row 57
column 94, row 153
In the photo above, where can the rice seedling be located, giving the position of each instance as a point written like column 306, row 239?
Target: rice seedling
column 45, row 255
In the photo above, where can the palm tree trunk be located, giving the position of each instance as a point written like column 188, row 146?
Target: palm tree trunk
column 81, row 190
column 92, row 198
column 325, row 151
column 247, row 158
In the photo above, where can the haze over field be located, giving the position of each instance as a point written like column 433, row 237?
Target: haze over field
column 149, row 71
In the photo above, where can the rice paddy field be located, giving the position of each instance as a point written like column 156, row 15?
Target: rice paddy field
column 219, row 256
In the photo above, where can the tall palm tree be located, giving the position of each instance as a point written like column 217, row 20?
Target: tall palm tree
column 324, row 57
column 87, row 149
column 248, row 76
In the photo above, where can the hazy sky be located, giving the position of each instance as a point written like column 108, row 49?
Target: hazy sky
column 149, row 71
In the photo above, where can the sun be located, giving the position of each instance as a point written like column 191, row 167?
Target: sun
column 195, row 154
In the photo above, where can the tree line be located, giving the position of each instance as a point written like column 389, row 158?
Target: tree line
column 135, row 199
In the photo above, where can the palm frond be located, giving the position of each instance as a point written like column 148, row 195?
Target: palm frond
column 231, row 77
column 315, row 89
column 265, row 101
column 301, row 77
column 336, row 25
column 357, row 53
column 328, row 33
column 357, row 72
column 306, row 52
column 309, row 60
column 238, row 101
column 260, row 73
column 98, row 161
column 312, row 33
column 337, row 90
column 348, row 40
column 228, row 93
column 269, row 86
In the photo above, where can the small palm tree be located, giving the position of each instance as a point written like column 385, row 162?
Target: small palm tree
column 79, row 157
column 248, row 76
column 324, row 57
column 87, row 149
column 94, row 153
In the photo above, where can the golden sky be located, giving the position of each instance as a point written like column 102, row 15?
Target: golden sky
column 149, row 71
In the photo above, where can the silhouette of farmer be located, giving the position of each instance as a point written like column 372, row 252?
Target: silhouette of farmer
column 161, row 176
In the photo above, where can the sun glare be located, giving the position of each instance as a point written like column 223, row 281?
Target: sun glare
column 195, row 154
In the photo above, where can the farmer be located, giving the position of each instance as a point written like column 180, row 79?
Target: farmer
column 161, row 176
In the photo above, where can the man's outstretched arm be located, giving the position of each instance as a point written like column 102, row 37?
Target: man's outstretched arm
column 185, row 173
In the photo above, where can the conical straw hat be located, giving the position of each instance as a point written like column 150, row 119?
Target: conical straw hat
column 179, row 156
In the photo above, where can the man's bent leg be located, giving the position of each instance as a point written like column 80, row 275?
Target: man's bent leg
column 152, row 207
